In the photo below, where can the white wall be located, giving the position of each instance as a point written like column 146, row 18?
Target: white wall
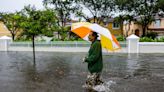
column 151, row 47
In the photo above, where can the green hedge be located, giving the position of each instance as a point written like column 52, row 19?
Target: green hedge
column 147, row 39
column 120, row 38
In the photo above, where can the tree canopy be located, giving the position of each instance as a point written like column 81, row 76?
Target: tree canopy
column 99, row 9
column 12, row 22
column 38, row 22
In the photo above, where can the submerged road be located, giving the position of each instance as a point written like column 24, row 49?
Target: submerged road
column 65, row 72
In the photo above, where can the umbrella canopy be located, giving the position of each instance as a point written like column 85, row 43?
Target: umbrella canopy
column 108, row 41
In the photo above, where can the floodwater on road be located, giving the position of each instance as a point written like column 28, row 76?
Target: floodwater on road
column 65, row 72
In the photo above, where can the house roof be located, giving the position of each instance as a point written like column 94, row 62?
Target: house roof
column 3, row 30
column 109, row 20
column 156, row 17
column 106, row 19
column 161, row 29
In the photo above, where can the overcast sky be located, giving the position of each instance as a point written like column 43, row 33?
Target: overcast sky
column 17, row 5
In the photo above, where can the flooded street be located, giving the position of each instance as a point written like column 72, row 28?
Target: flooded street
column 65, row 72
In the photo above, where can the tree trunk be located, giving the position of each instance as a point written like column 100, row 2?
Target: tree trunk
column 121, row 27
column 127, row 31
column 33, row 45
column 13, row 37
column 144, row 31
column 58, row 34
column 94, row 19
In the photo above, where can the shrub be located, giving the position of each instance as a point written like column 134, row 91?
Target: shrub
column 22, row 39
column 120, row 38
column 161, row 39
column 79, row 39
column 146, row 39
column 152, row 35
column 55, row 39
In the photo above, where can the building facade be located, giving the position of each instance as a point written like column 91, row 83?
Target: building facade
column 109, row 23
column 3, row 30
column 133, row 28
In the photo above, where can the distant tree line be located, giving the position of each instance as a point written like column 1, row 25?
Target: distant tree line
column 30, row 22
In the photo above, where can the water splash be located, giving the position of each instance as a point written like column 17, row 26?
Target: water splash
column 105, row 87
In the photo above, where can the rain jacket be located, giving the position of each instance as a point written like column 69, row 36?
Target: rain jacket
column 94, row 58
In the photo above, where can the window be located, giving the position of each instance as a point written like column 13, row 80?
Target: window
column 157, row 23
column 116, row 25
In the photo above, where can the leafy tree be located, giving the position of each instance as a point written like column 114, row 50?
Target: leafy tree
column 12, row 22
column 146, row 11
column 129, row 19
column 99, row 9
column 122, row 18
column 64, row 9
column 37, row 23
column 161, row 4
column 124, row 5
column 142, row 10
column 160, row 7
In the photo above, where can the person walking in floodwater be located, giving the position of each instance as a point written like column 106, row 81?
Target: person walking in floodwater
column 95, row 62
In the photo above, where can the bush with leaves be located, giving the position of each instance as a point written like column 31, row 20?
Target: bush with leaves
column 161, row 39
column 120, row 38
column 55, row 39
column 146, row 39
column 152, row 35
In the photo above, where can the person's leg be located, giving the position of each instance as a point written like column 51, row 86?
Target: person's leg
column 98, row 79
column 90, row 82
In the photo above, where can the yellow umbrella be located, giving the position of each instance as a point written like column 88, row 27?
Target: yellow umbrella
column 108, row 41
